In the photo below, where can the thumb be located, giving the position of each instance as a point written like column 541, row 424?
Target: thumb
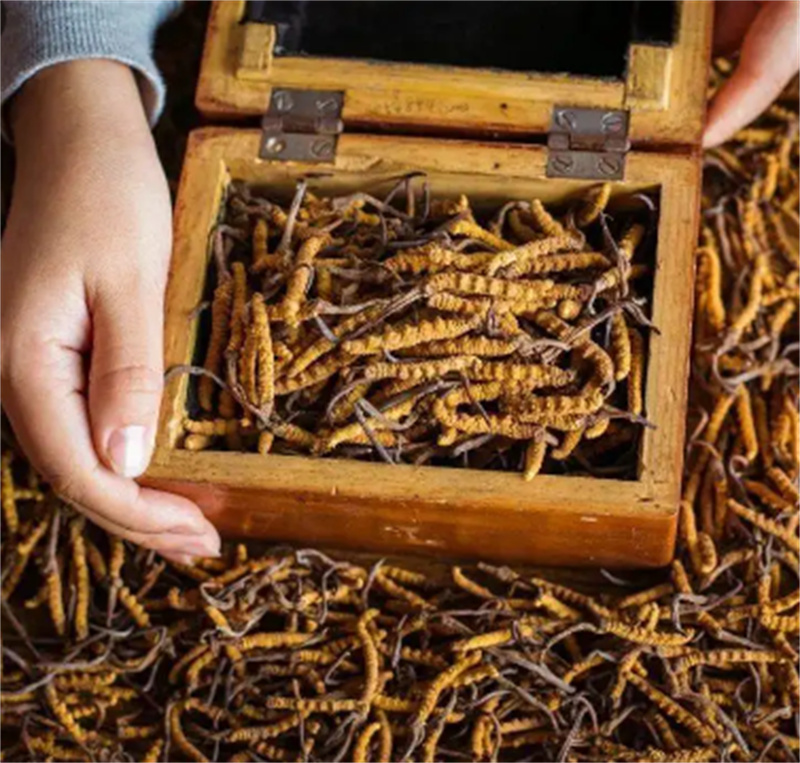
column 769, row 59
column 126, row 375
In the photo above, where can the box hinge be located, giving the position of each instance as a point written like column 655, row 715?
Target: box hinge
column 302, row 125
column 587, row 143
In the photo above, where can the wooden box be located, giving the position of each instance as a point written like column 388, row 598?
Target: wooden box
column 555, row 520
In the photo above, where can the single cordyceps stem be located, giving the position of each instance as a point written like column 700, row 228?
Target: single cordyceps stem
column 559, row 263
column 300, row 278
column 534, row 458
column 594, row 203
column 418, row 371
column 544, row 221
column 533, row 250
column 636, row 372
column 392, row 338
column 711, row 294
column 620, row 349
column 8, row 493
column 239, row 303
column 256, row 363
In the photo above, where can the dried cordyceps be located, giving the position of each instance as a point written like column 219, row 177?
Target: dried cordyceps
column 364, row 303
column 291, row 654
column 267, row 655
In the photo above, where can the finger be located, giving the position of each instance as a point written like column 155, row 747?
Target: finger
column 177, row 543
column 42, row 395
column 732, row 19
column 769, row 59
column 126, row 375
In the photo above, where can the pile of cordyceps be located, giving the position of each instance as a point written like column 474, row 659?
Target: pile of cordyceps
column 401, row 329
column 109, row 653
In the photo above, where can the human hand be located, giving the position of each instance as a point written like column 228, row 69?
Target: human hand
column 767, row 34
column 85, row 257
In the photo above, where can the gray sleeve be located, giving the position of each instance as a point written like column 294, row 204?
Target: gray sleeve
column 46, row 32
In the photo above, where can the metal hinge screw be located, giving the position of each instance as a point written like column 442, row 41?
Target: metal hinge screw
column 322, row 148
column 613, row 122
column 274, row 146
column 327, row 105
column 608, row 165
column 282, row 101
column 566, row 119
column 562, row 163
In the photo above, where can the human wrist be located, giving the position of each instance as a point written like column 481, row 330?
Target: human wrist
column 76, row 105
column 82, row 136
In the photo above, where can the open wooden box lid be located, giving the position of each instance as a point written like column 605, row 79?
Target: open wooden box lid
column 252, row 71
column 468, row 68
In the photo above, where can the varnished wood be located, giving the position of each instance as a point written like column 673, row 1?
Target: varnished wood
column 665, row 94
column 422, row 510
column 257, row 44
column 551, row 520
column 647, row 87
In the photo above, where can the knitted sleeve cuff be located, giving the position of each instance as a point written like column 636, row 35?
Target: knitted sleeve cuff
column 47, row 32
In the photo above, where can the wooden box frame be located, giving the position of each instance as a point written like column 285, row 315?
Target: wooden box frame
column 370, row 506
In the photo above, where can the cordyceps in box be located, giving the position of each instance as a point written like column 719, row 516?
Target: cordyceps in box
column 411, row 333
column 374, row 338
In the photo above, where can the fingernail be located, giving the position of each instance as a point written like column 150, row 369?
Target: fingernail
column 126, row 451
column 205, row 545
column 192, row 526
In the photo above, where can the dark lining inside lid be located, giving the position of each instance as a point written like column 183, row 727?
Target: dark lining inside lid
column 580, row 38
